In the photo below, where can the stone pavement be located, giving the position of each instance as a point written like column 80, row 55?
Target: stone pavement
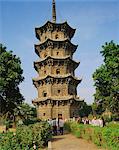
column 70, row 142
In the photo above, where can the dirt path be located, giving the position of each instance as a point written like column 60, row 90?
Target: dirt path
column 70, row 142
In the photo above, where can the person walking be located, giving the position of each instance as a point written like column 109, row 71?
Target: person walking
column 61, row 126
column 54, row 126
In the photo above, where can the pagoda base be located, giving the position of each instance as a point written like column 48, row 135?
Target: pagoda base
column 50, row 111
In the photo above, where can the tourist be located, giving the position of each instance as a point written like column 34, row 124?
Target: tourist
column 85, row 120
column 73, row 119
column 78, row 120
column 103, row 122
column 54, row 126
column 94, row 122
column 49, row 121
column 98, row 122
column 61, row 126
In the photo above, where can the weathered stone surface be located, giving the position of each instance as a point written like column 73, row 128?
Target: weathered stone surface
column 56, row 83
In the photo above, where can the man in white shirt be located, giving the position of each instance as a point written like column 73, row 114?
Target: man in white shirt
column 61, row 126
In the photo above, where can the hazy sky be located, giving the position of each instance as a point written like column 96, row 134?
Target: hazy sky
column 96, row 21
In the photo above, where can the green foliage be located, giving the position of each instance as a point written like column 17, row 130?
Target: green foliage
column 26, row 136
column 73, row 127
column 107, row 137
column 85, row 110
column 26, row 113
column 10, row 78
column 106, row 79
column 29, row 112
column 111, row 137
column 9, row 141
column 107, row 118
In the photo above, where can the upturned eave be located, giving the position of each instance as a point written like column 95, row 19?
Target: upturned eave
column 39, row 47
column 51, row 24
column 36, row 63
column 69, row 76
column 56, row 98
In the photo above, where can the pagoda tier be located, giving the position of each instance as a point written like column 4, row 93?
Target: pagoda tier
column 54, row 27
column 50, row 44
column 69, row 98
column 50, row 79
column 53, row 61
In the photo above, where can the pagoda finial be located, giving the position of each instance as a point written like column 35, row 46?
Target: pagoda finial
column 53, row 11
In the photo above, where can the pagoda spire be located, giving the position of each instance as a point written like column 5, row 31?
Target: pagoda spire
column 53, row 11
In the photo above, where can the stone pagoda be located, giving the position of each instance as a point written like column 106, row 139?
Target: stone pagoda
column 56, row 82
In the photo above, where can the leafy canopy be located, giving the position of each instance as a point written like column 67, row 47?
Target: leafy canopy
column 106, row 79
column 10, row 78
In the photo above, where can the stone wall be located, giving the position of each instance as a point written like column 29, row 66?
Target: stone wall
column 53, row 90
column 47, row 112
column 45, row 53
column 64, row 110
column 44, row 88
column 56, row 89
column 44, row 112
column 53, row 35
column 56, row 52
column 52, row 70
column 59, row 89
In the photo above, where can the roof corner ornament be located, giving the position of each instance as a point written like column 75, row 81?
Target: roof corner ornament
column 53, row 11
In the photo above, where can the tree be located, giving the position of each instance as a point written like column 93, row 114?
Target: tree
column 85, row 110
column 25, row 113
column 106, row 79
column 10, row 78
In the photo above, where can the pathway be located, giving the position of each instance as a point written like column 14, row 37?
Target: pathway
column 70, row 142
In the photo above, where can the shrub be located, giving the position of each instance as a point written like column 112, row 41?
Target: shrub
column 72, row 127
column 26, row 136
column 107, row 137
column 111, row 137
column 8, row 142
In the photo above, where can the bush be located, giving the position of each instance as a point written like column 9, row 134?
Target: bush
column 26, row 136
column 107, row 137
column 110, row 137
column 8, row 142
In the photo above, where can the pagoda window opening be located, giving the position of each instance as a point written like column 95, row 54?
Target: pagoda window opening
column 45, row 55
column 58, row 71
column 59, row 91
column 56, row 36
column 45, row 72
column 44, row 94
column 43, row 114
column 57, row 53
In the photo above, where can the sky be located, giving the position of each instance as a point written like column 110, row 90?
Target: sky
column 95, row 21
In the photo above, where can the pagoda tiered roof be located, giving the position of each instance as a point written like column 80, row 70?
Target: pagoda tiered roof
column 66, row 44
column 57, row 98
column 50, row 78
column 49, row 60
column 50, row 27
